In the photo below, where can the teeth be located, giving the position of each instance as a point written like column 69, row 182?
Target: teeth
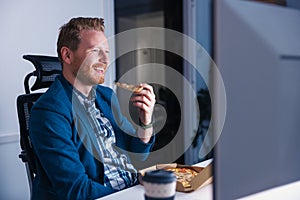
column 99, row 69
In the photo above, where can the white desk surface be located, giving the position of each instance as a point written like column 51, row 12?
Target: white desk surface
column 289, row 191
column 137, row 192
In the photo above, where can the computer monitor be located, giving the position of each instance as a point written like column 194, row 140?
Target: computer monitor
column 257, row 50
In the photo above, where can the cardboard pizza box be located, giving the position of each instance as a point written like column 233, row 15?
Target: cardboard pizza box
column 203, row 177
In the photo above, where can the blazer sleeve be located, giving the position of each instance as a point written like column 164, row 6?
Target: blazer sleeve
column 127, row 135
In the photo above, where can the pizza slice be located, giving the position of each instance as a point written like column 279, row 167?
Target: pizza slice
column 132, row 88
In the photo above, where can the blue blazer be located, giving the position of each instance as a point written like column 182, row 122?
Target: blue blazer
column 67, row 155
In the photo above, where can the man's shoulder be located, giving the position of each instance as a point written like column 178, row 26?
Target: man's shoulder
column 55, row 96
column 104, row 89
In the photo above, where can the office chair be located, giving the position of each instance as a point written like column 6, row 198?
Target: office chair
column 46, row 69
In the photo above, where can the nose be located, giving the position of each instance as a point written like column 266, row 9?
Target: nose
column 103, row 57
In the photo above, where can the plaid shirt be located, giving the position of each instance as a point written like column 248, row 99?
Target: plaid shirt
column 119, row 173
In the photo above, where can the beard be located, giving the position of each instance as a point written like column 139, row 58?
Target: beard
column 101, row 80
column 88, row 72
column 88, row 78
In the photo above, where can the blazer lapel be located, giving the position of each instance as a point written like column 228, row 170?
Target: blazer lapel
column 104, row 108
column 81, row 120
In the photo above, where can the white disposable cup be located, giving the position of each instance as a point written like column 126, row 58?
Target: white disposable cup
column 159, row 184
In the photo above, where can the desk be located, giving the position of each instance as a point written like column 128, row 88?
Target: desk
column 289, row 191
column 137, row 192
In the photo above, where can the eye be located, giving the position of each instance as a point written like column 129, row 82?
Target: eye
column 95, row 50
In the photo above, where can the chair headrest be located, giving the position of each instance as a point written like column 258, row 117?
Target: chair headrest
column 46, row 69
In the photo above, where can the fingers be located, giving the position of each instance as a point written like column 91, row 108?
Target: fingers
column 145, row 99
column 148, row 108
column 147, row 87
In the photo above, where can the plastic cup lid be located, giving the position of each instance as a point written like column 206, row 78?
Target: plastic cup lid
column 159, row 176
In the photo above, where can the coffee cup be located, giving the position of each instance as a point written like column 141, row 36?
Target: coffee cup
column 159, row 184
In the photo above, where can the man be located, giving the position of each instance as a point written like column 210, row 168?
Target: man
column 83, row 144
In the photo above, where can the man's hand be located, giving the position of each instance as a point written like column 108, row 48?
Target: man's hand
column 145, row 101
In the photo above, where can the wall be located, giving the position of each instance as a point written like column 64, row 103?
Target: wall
column 30, row 27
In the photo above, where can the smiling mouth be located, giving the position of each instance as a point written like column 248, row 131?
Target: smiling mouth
column 99, row 69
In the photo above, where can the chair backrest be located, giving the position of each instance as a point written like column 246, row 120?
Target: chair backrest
column 46, row 69
column 24, row 104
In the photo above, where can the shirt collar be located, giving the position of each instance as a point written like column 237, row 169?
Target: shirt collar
column 90, row 99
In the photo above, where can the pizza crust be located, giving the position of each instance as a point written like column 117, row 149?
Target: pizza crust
column 132, row 88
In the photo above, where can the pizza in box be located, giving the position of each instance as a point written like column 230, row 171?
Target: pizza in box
column 183, row 175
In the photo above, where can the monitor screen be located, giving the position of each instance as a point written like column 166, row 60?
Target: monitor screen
column 257, row 51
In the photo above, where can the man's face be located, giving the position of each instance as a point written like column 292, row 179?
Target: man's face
column 91, row 58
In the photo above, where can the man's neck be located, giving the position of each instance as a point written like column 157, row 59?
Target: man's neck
column 84, row 89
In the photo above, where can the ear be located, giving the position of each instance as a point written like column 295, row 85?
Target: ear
column 66, row 55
